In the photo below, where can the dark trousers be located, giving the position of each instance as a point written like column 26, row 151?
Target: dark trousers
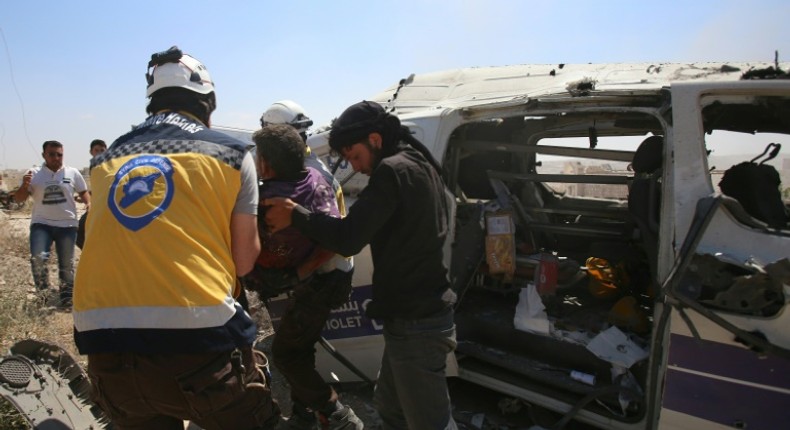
column 411, row 390
column 293, row 349
column 225, row 390
column 41, row 238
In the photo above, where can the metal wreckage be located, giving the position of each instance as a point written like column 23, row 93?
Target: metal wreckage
column 621, row 238
column 48, row 387
column 620, row 250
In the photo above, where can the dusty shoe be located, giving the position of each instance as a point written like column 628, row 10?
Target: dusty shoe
column 296, row 422
column 65, row 294
column 45, row 299
column 301, row 420
column 344, row 419
column 64, row 302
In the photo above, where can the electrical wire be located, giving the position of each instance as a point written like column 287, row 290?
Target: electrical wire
column 2, row 145
column 16, row 91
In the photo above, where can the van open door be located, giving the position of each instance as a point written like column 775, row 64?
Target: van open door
column 730, row 366
column 726, row 273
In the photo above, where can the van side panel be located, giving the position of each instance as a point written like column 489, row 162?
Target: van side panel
column 710, row 380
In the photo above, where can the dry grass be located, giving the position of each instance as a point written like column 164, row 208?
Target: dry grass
column 10, row 419
column 21, row 313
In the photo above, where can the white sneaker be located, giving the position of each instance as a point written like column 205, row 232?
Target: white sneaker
column 344, row 419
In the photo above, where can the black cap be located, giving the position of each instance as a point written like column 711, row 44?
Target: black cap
column 358, row 121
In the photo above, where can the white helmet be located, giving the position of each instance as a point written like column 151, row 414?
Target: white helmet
column 172, row 68
column 287, row 112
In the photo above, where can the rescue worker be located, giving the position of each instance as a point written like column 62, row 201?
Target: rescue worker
column 403, row 214
column 165, row 339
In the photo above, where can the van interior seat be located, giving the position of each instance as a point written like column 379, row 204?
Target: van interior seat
column 644, row 194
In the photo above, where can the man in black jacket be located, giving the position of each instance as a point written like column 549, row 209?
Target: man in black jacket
column 403, row 215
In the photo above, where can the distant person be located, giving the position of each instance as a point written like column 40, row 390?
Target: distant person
column 54, row 218
column 291, row 261
column 177, row 204
column 97, row 147
column 403, row 213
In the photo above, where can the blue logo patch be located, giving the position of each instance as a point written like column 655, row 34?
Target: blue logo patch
column 142, row 190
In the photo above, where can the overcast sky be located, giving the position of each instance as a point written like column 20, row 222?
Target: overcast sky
column 74, row 70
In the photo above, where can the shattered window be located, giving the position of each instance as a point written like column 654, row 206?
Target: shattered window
column 748, row 130
column 747, row 139
column 581, row 165
column 727, row 149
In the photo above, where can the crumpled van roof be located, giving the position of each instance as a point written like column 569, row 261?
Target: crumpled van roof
column 475, row 86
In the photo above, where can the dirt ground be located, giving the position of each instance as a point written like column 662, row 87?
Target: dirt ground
column 474, row 407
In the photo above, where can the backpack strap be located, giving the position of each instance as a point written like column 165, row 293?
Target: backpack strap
column 771, row 155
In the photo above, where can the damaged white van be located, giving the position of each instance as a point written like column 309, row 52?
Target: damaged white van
column 622, row 238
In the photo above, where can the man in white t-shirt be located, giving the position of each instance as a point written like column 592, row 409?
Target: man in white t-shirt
column 54, row 217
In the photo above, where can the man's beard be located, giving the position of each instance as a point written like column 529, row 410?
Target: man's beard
column 375, row 155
